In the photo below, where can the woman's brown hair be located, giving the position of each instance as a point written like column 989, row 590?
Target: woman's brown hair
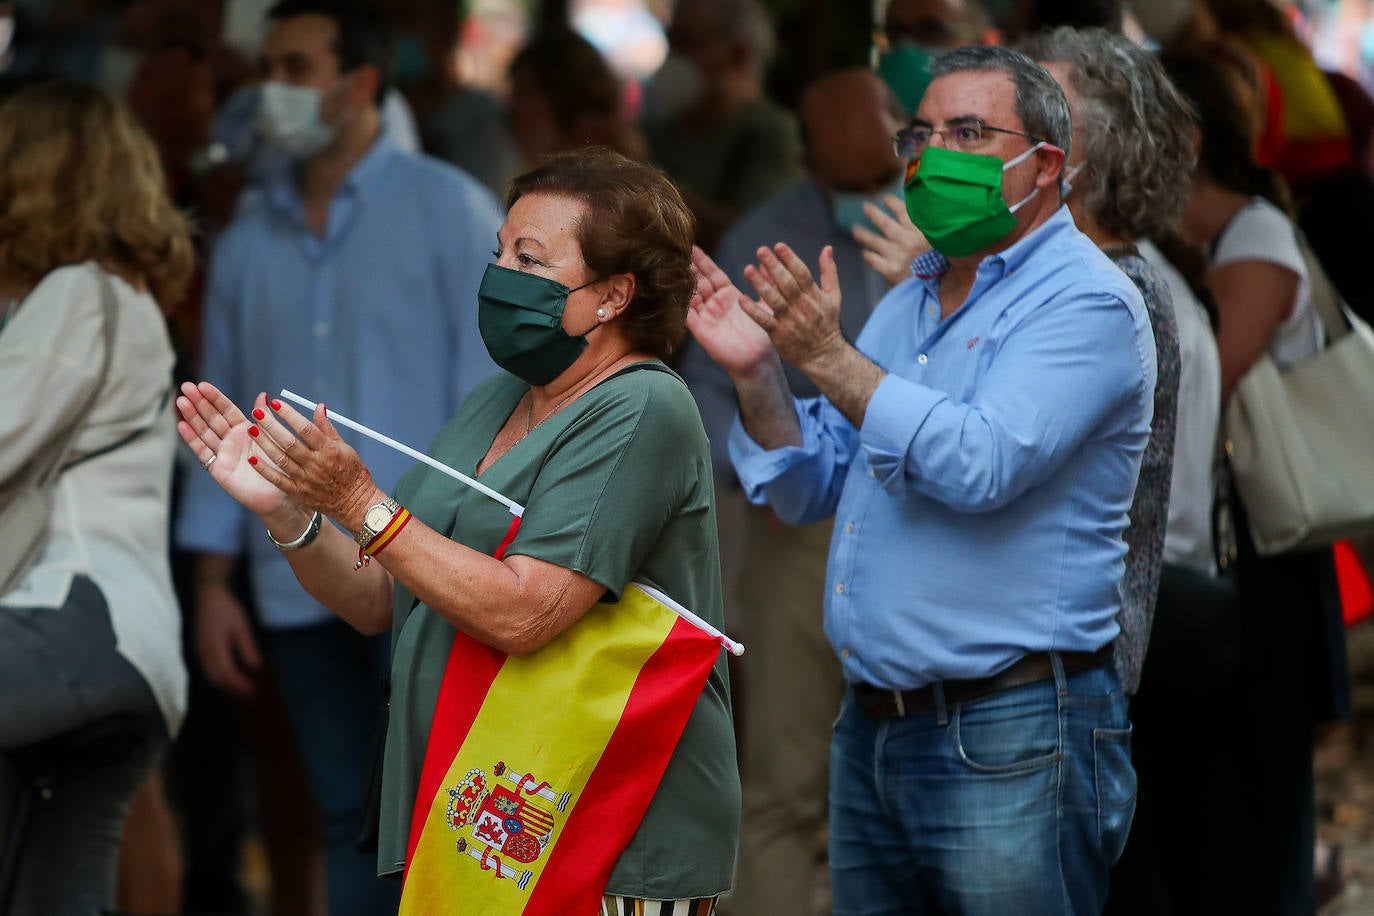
column 81, row 181
column 635, row 223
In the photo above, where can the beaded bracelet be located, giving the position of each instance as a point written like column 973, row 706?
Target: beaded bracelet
column 383, row 538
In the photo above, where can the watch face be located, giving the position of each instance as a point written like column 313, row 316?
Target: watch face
column 377, row 517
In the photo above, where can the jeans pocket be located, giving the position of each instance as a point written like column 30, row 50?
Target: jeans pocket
column 997, row 737
column 1116, row 788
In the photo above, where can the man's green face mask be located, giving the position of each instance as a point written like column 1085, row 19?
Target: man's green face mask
column 955, row 199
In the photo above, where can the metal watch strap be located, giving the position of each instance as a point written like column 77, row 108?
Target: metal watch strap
column 309, row 534
column 367, row 535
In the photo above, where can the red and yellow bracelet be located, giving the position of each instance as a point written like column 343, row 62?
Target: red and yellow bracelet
column 383, row 538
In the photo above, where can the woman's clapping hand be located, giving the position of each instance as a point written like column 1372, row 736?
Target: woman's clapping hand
column 277, row 457
column 217, row 433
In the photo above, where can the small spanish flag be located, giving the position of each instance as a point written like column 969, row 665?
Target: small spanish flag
column 540, row 768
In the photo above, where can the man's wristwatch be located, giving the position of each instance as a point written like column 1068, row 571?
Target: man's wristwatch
column 375, row 519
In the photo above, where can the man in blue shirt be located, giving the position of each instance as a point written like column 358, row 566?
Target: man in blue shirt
column 791, row 678
column 978, row 448
column 351, row 278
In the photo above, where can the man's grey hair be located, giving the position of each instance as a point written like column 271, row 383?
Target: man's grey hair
column 1135, row 131
column 1040, row 102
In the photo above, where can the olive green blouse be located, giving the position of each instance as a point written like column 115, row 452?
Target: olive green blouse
column 617, row 486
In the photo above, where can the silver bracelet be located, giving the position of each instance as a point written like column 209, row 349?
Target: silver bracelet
column 309, row 534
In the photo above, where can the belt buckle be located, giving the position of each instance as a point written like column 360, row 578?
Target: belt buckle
column 899, row 703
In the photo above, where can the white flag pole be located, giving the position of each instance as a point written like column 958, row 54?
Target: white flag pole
column 514, row 507
column 733, row 647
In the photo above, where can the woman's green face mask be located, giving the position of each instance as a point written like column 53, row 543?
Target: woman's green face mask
column 520, row 316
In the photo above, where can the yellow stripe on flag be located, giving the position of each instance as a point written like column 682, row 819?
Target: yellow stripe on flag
column 548, row 717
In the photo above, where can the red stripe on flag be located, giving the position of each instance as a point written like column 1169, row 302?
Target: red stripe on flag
column 471, row 668
column 468, row 675
column 625, row 779
column 506, row 541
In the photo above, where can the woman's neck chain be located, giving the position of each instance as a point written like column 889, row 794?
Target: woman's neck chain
column 530, row 425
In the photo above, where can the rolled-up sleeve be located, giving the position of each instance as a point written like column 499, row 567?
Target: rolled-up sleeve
column 801, row 482
column 1054, row 380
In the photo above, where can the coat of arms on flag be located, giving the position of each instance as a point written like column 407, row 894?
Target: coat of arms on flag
column 503, row 825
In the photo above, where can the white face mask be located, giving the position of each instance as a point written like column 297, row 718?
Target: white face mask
column 289, row 119
column 675, row 88
column 1013, row 163
column 1070, row 174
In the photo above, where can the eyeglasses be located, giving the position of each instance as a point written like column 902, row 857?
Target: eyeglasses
column 965, row 134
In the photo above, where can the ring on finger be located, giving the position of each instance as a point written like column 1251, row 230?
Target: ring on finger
column 205, row 465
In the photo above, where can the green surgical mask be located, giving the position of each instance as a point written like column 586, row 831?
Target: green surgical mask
column 520, row 316
column 956, row 200
column 905, row 68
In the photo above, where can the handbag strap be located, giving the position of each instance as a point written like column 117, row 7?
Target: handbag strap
column 126, row 438
column 1327, row 301
column 109, row 322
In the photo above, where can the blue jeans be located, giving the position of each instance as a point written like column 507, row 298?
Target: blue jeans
column 1017, row 802
column 330, row 678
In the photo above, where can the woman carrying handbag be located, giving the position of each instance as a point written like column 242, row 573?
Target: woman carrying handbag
column 1291, row 645
column 92, row 684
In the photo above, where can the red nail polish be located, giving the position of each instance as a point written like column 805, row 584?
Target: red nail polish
column 253, row 460
column 258, row 414
column 276, row 405
column 252, row 431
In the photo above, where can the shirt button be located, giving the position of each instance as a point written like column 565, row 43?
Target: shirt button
column 921, row 359
column 849, row 527
column 839, row 589
column 872, row 473
column 845, row 653
column 321, row 328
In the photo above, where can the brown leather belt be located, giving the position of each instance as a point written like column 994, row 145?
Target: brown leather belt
column 879, row 703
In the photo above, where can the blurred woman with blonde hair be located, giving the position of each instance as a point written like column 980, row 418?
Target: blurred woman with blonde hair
column 89, row 628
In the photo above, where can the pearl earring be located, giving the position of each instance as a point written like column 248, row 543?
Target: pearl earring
column 601, row 313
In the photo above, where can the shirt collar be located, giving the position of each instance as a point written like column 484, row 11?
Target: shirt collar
column 284, row 189
column 931, row 266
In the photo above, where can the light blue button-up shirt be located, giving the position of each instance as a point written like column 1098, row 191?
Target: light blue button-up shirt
column 377, row 318
column 979, row 511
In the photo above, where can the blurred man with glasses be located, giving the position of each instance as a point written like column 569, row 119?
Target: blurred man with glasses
column 978, row 447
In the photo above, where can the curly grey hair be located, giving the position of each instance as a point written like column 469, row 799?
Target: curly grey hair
column 1040, row 102
column 1134, row 129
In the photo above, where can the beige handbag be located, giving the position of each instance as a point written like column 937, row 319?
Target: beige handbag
column 1301, row 440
